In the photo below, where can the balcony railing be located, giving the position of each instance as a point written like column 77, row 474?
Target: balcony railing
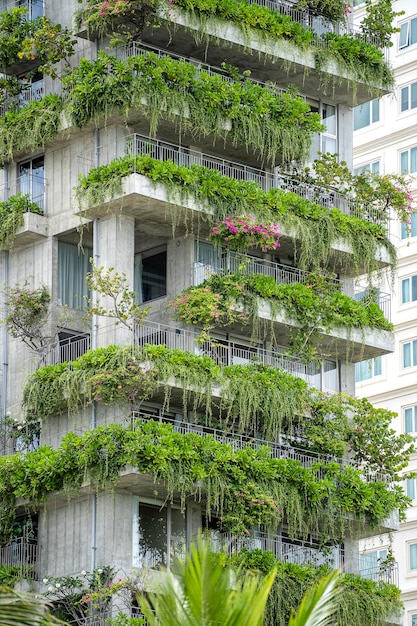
column 136, row 49
column 237, row 441
column 31, row 185
column 140, row 145
column 21, row 554
column 324, row 377
column 292, row 551
column 35, row 91
column 235, row 263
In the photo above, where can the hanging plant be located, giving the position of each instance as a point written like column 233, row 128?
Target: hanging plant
column 243, row 232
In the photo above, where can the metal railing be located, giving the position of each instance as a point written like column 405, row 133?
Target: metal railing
column 35, row 91
column 134, row 49
column 31, row 185
column 324, row 377
column 301, row 553
column 142, row 145
column 279, row 449
column 103, row 619
column 236, row 263
column 22, row 554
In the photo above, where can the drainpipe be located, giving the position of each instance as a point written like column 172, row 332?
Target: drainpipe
column 96, row 257
column 5, row 337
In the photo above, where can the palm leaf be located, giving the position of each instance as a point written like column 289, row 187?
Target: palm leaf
column 317, row 608
column 21, row 609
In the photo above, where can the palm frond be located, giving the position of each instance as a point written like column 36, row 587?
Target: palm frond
column 318, row 605
column 21, row 609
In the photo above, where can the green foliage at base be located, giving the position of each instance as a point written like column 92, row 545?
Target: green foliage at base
column 313, row 228
column 11, row 216
column 361, row 601
column 244, row 488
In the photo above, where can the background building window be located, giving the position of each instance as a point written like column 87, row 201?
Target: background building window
column 414, row 619
column 411, row 488
column 73, row 266
column 411, row 231
column 367, row 167
column 31, row 180
column 410, row 419
column 409, row 160
column 150, row 277
column 409, row 289
column 371, row 563
column 368, row 369
column 408, row 33
column 409, row 350
column 412, row 551
column 408, row 97
column 366, row 114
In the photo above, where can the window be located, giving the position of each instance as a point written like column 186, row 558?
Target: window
column 158, row 535
column 412, row 228
column 408, row 160
column 410, row 419
column 208, row 261
column 368, row 369
column 150, row 280
column 329, row 135
column 409, row 289
column 408, row 33
column 31, row 180
column 371, row 563
column 414, row 619
column 73, row 266
column 412, row 553
column 409, row 352
column 367, row 167
column 366, row 114
column 412, row 488
column 408, row 97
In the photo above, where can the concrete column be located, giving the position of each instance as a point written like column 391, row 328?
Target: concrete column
column 116, row 245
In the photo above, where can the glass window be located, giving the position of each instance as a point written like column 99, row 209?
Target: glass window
column 159, row 535
column 368, row 369
column 150, row 277
column 73, row 266
column 412, row 228
column 329, row 135
column 408, row 160
column 409, row 289
column 411, row 488
column 370, row 563
column 366, row 114
column 413, row 555
column 409, row 350
column 367, row 167
column 31, row 180
column 410, row 419
column 408, row 33
column 408, row 97
column 414, row 620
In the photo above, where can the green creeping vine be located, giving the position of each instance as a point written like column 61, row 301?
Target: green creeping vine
column 315, row 306
column 360, row 602
column 11, row 216
column 315, row 228
column 244, row 487
column 274, row 124
column 362, row 61
column 255, row 399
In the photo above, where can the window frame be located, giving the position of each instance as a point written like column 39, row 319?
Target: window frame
column 411, row 156
column 373, row 112
column 138, row 279
column 409, row 87
column 408, row 24
column 412, row 571
column 372, row 367
column 413, row 409
column 413, row 351
column 411, row 289
column 373, row 167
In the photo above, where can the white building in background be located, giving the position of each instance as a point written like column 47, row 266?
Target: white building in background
column 385, row 141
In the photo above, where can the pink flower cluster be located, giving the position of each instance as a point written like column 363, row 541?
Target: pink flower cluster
column 241, row 232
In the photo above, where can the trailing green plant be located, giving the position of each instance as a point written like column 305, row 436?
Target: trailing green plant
column 244, row 487
column 363, row 61
column 360, row 601
column 30, row 127
column 276, row 125
column 335, row 11
column 379, row 21
column 313, row 228
column 315, row 305
column 12, row 211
